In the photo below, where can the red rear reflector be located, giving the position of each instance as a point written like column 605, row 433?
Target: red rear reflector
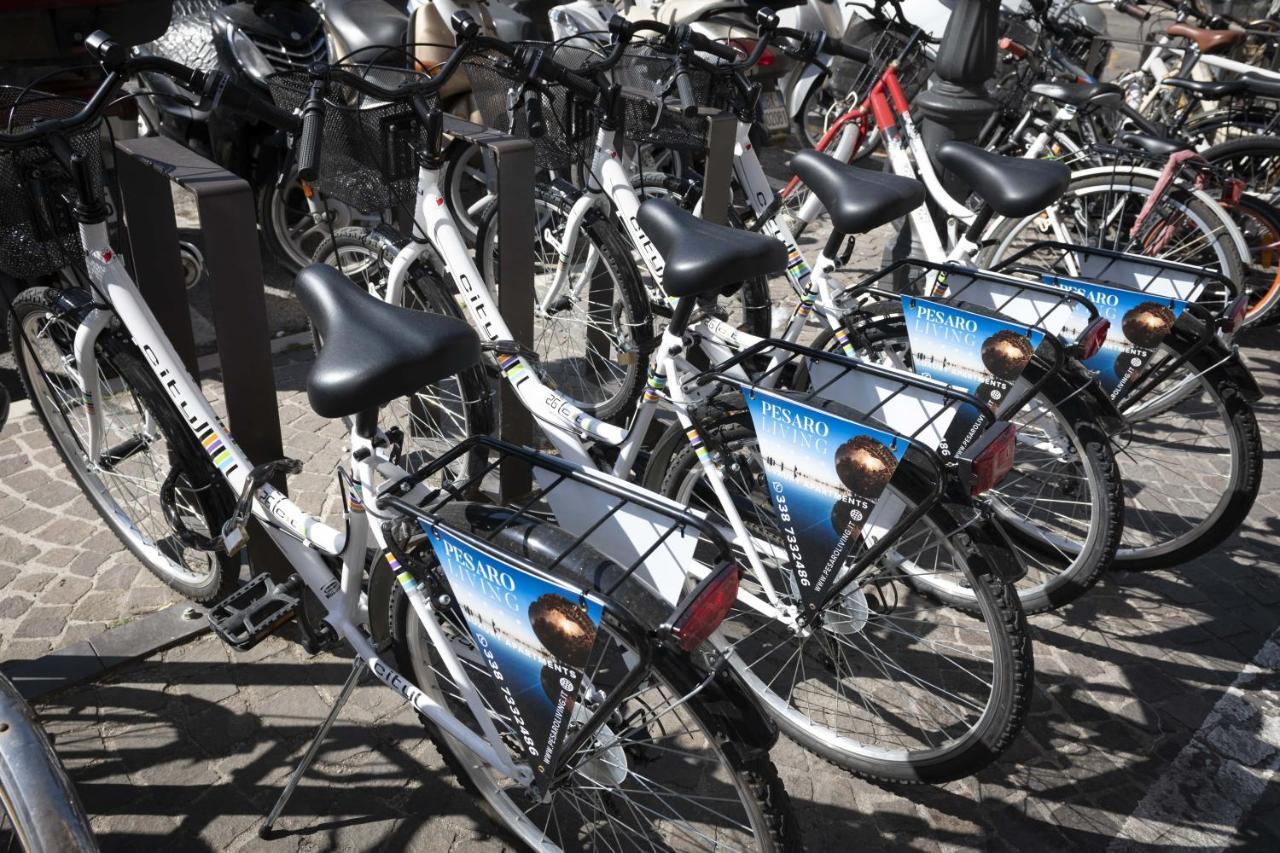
column 1093, row 337
column 767, row 58
column 707, row 608
column 994, row 461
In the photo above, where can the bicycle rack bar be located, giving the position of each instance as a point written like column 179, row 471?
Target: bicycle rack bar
column 722, row 132
column 226, row 209
column 511, row 180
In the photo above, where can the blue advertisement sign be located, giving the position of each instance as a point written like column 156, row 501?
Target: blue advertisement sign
column 983, row 355
column 1139, row 322
column 825, row 475
column 535, row 633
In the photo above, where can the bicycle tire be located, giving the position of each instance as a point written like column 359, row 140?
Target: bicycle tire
column 1252, row 159
column 37, row 798
column 628, row 330
column 209, row 499
column 1260, row 224
column 1002, row 620
column 1236, row 499
column 754, row 776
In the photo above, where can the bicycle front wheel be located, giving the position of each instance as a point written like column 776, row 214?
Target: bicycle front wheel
column 892, row 683
column 669, row 770
column 151, row 468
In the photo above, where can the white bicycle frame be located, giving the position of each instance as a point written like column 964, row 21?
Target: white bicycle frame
column 565, row 424
column 304, row 539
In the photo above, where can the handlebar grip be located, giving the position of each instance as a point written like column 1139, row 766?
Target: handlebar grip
column 717, row 49
column 848, row 51
column 684, row 91
column 1132, row 10
column 312, row 133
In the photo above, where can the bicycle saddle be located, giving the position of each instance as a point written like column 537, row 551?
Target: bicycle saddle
column 1013, row 186
column 857, row 200
column 1207, row 40
column 1158, row 145
column 1207, row 89
column 702, row 257
column 1080, row 94
column 372, row 352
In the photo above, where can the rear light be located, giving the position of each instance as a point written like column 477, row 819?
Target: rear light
column 1093, row 337
column 706, row 608
column 988, row 460
column 1234, row 319
column 767, row 58
column 746, row 46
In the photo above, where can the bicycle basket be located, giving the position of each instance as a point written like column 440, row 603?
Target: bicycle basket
column 570, row 123
column 914, row 68
column 38, row 234
column 645, row 73
column 367, row 157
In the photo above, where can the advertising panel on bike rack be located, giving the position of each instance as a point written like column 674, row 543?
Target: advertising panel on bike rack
column 1139, row 322
column 983, row 355
column 825, row 475
column 536, row 635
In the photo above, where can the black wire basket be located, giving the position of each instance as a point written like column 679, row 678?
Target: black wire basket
column 651, row 114
column 570, row 122
column 38, row 234
column 369, row 150
column 914, row 65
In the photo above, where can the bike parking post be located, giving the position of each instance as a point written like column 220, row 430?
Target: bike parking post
column 225, row 205
column 722, row 130
column 511, row 181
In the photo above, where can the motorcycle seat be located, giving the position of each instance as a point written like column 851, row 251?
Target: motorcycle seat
column 857, row 200
column 1207, row 89
column 1208, row 41
column 1013, row 186
column 703, row 257
column 373, row 352
column 1159, row 146
column 1080, row 94
column 361, row 25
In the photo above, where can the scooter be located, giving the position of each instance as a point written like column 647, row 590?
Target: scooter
column 250, row 41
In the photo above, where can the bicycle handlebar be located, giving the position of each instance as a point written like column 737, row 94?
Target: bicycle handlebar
column 1132, row 10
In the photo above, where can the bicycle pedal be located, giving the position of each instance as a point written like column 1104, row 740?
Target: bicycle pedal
column 255, row 611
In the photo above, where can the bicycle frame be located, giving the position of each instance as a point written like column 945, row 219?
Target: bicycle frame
column 311, row 546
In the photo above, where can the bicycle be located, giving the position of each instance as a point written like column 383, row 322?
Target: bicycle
column 986, row 712
column 579, row 686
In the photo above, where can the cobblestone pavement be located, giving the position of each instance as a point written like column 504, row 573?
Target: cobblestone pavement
column 1155, row 723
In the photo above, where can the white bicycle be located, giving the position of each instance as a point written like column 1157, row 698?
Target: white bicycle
column 554, row 670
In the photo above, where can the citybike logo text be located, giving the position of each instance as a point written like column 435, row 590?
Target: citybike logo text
column 198, row 424
column 650, row 252
column 477, row 301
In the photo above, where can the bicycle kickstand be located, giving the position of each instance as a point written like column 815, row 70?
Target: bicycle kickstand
column 357, row 670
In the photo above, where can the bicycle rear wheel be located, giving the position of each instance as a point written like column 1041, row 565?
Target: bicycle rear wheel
column 669, row 770
column 893, row 684
column 1099, row 210
column 151, row 463
column 1191, row 462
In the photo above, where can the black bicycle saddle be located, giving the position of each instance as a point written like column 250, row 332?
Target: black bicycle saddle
column 857, row 200
column 1013, row 186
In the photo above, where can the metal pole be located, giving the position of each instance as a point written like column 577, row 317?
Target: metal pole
column 722, row 131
